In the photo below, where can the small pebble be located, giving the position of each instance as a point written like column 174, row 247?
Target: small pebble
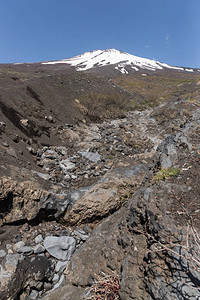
column 8, row 246
column 25, row 227
column 39, row 239
column 39, row 249
column 18, row 245
column 5, row 145
column 39, row 285
column 47, row 286
column 2, row 253
column 55, row 278
column 33, row 295
column 47, row 254
column 60, row 266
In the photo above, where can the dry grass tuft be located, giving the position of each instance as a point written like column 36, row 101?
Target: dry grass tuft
column 105, row 287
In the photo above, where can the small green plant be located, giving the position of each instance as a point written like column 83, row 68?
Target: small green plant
column 164, row 174
column 126, row 197
column 194, row 101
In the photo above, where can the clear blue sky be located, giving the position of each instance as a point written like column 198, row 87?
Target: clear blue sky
column 38, row 30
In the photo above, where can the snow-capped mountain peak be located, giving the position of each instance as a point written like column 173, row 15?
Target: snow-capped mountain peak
column 121, row 61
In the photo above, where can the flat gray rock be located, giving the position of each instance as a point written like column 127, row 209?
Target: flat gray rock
column 50, row 154
column 43, row 176
column 66, row 165
column 60, row 247
column 92, row 156
column 26, row 250
column 18, row 245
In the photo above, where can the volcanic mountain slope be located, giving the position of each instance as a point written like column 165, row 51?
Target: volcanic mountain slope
column 101, row 169
column 37, row 98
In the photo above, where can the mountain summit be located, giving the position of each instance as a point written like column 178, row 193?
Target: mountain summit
column 121, row 61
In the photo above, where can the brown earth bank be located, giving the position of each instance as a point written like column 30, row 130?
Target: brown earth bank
column 99, row 193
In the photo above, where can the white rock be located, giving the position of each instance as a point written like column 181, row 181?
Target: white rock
column 38, row 249
column 18, row 245
column 55, row 278
column 81, row 234
column 39, row 239
column 60, row 266
column 67, row 177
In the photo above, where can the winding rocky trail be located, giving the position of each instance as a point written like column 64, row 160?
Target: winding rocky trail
column 98, row 204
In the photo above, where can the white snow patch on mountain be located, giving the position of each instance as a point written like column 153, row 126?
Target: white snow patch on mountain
column 189, row 70
column 122, row 61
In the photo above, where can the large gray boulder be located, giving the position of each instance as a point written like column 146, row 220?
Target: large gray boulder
column 60, row 247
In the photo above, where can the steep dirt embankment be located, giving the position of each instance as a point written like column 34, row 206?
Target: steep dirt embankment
column 36, row 100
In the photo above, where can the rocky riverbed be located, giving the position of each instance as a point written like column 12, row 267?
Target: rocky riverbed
column 121, row 196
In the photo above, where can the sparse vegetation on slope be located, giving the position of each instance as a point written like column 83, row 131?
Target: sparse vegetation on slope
column 155, row 89
column 105, row 105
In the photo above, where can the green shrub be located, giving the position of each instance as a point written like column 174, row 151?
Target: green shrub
column 164, row 174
